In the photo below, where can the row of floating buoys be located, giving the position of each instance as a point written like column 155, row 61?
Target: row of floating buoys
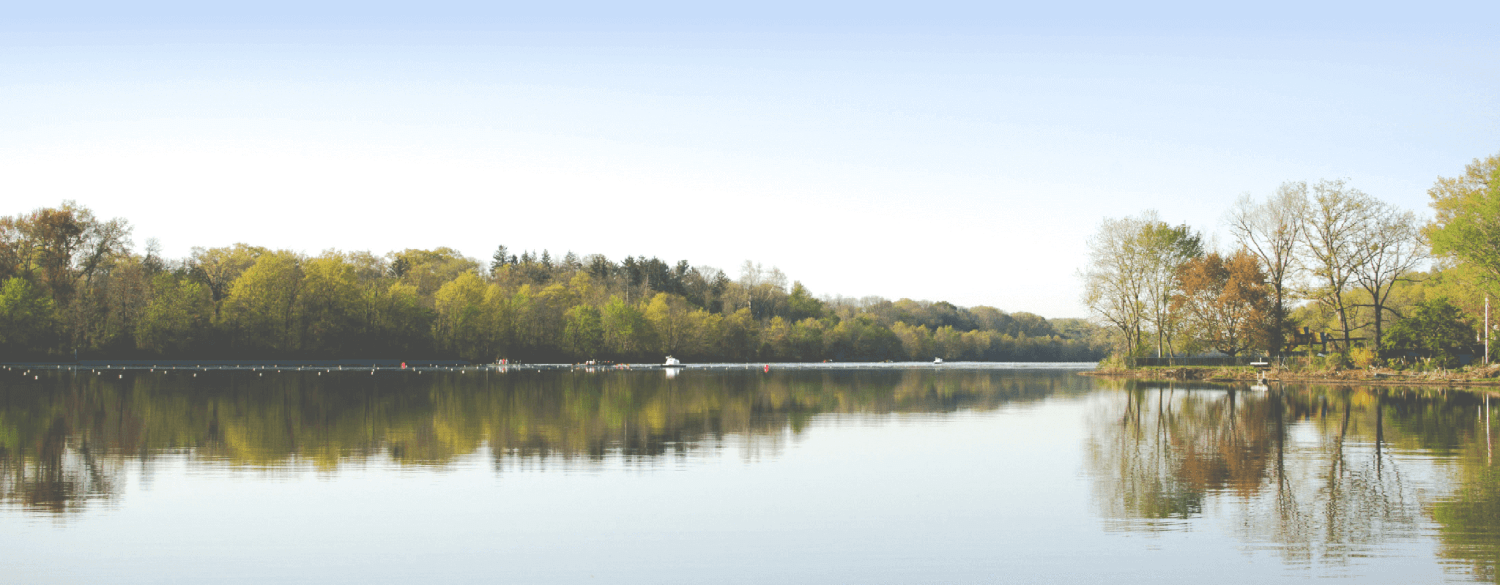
column 259, row 369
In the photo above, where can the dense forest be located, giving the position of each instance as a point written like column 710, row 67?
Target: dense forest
column 75, row 288
column 1320, row 268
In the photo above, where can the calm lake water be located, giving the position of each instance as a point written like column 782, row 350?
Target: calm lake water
column 892, row 475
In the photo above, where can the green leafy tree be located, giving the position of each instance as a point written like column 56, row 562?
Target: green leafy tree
column 401, row 321
column 585, row 331
column 27, row 318
column 463, row 323
column 548, row 317
column 807, row 340
column 862, row 339
column 948, row 343
column 104, row 313
column 775, row 339
column 220, row 267
column 261, row 310
column 1433, row 328
column 740, row 336
column 671, row 317
column 626, row 331
column 178, row 319
column 916, row 340
column 1165, row 248
column 331, row 304
column 1466, row 226
column 802, row 305
column 430, row 269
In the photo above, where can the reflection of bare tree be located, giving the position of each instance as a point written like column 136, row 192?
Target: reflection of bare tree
column 1305, row 470
column 1343, row 493
column 66, row 441
column 1171, row 449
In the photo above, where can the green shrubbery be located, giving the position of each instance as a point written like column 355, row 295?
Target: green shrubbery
column 1434, row 330
column 1363, row 357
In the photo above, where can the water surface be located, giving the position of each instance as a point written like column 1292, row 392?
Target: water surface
column 889, row 475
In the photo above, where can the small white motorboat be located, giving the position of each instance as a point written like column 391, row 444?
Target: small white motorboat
column 672, row 363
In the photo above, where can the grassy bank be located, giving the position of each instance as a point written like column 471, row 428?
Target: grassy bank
column 1466, row 376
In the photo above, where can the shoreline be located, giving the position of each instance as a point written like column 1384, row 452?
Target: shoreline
column 458, row 364
column 1477, row 377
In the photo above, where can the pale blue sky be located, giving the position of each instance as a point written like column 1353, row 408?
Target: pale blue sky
column 933, row 151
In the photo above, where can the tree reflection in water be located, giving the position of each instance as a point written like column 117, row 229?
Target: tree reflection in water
column 1320, row 474
column 65, row 438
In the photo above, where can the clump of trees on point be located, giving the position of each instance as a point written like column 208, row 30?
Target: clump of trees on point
column 1313, row 268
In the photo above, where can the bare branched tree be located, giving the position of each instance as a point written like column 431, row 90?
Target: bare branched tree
column 1273, row 231
column 1114, row 281
column 1132, row 276
column 1335, row 227
column 1393, row 248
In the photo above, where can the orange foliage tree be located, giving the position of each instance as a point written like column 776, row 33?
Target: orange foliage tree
column 1226, row 301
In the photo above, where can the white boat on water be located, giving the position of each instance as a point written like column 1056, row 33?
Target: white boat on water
column 672, row 363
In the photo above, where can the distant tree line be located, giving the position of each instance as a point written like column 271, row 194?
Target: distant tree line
column 1314, row 268
column 71, row 285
